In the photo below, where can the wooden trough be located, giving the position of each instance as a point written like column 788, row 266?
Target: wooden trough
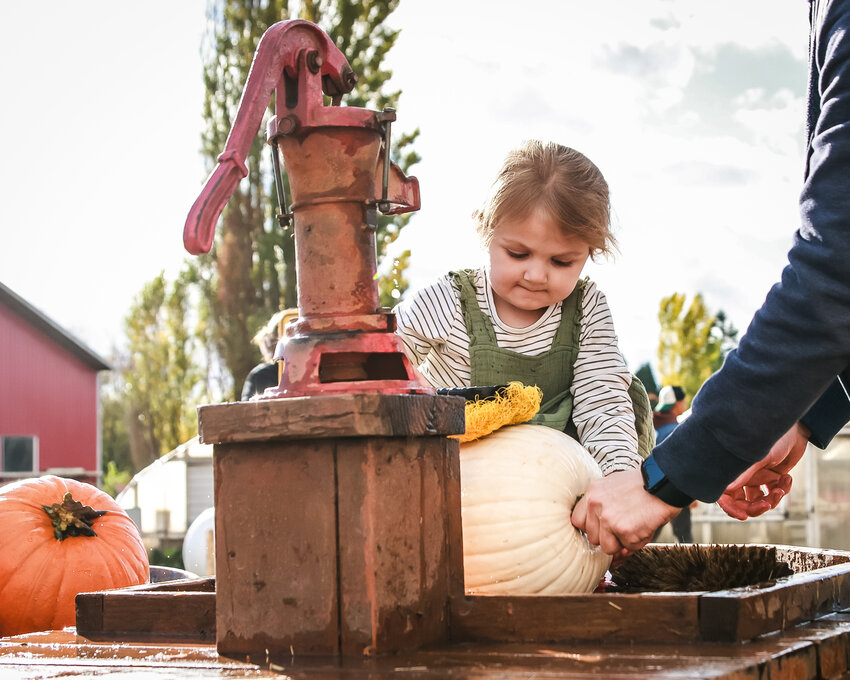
column 184, row 611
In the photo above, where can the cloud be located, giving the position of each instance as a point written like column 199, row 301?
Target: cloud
column 652, row 63
column 731, row 80
column 731, row 70
column 706, row 174
column 665, row 23
column 708, row 91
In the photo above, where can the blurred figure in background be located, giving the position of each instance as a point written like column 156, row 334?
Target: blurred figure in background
column 267, row 373
column 671, row 405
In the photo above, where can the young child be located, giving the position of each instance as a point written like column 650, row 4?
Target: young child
column 528, row 316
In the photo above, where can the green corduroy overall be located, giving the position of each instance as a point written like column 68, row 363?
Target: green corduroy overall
column 551, row 371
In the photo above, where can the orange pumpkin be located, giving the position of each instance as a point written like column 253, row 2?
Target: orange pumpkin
column 60, row 537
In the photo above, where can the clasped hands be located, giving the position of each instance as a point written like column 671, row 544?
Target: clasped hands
column 620, row 516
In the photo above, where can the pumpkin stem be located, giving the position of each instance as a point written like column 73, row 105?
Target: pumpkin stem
column 72, row 518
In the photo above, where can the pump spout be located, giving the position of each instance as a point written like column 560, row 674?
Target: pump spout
column 402, row 191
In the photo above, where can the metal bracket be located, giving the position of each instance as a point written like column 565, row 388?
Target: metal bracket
column 385, row 118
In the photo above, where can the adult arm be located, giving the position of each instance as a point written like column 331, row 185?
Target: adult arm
column 831, row 412
column 618, row 515
column 761, row 486
column 797, row 342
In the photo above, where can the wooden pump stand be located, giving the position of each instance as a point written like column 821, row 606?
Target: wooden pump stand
column 337, row 525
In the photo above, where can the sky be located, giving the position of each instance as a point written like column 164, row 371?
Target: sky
column 692, row 110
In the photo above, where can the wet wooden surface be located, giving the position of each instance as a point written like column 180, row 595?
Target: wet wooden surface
column 812, row 651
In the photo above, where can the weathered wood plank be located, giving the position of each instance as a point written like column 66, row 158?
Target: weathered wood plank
column 451, row 499
column 744, row 613
column 157, row 615
column 615, row 617
column 276, row 566
column 395, row 559
column 343, row 415
column 830, row 636
column 739, row 614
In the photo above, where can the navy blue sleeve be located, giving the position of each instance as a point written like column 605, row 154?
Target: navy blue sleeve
column 799, row 340
column 830, row 413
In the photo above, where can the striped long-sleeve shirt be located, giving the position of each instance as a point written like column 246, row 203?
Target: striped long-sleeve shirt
column 433, row 330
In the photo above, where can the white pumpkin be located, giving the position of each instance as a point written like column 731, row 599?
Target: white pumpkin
column 518, row 488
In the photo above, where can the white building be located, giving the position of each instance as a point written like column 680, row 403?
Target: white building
column 167, row 496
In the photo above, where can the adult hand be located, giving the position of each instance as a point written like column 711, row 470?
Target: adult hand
column 761, row 486
column 618, row 514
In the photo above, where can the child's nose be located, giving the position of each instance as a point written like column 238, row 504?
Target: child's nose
column 535, row 272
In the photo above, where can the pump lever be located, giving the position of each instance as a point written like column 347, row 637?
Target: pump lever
column 277, row 53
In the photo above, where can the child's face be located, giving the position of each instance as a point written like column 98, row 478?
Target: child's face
column 532, row 266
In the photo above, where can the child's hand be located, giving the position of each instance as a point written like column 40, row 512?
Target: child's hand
column 619, row 557
column 619, row 515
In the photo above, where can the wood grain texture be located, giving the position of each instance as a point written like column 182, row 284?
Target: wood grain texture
column 616, row 617
column 276, row 547
column 395, row 557
column 344, row 415
column 152, row 615
column 744, row 613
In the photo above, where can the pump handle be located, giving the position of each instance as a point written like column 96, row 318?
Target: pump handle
column 277, row 57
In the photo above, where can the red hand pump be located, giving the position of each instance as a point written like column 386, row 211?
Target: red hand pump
column 337, row 159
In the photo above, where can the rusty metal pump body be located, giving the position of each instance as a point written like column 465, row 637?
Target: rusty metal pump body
column 339, row 177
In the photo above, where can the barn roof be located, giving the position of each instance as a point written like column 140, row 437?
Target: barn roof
column 51, row 329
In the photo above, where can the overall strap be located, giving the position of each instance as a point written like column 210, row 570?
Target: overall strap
column 551, row 371
column 478, row 326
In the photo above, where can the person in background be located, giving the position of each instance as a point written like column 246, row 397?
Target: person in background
column 267, row 373
column 671, row 405
column 529, row 316
column 786, row 383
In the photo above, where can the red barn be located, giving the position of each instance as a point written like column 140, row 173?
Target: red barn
column 49, row 397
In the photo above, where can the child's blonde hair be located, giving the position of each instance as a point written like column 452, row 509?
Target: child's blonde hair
column 267, row 337
column 559, row 181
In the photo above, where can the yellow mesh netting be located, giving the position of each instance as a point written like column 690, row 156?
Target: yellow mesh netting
column 516, row 403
